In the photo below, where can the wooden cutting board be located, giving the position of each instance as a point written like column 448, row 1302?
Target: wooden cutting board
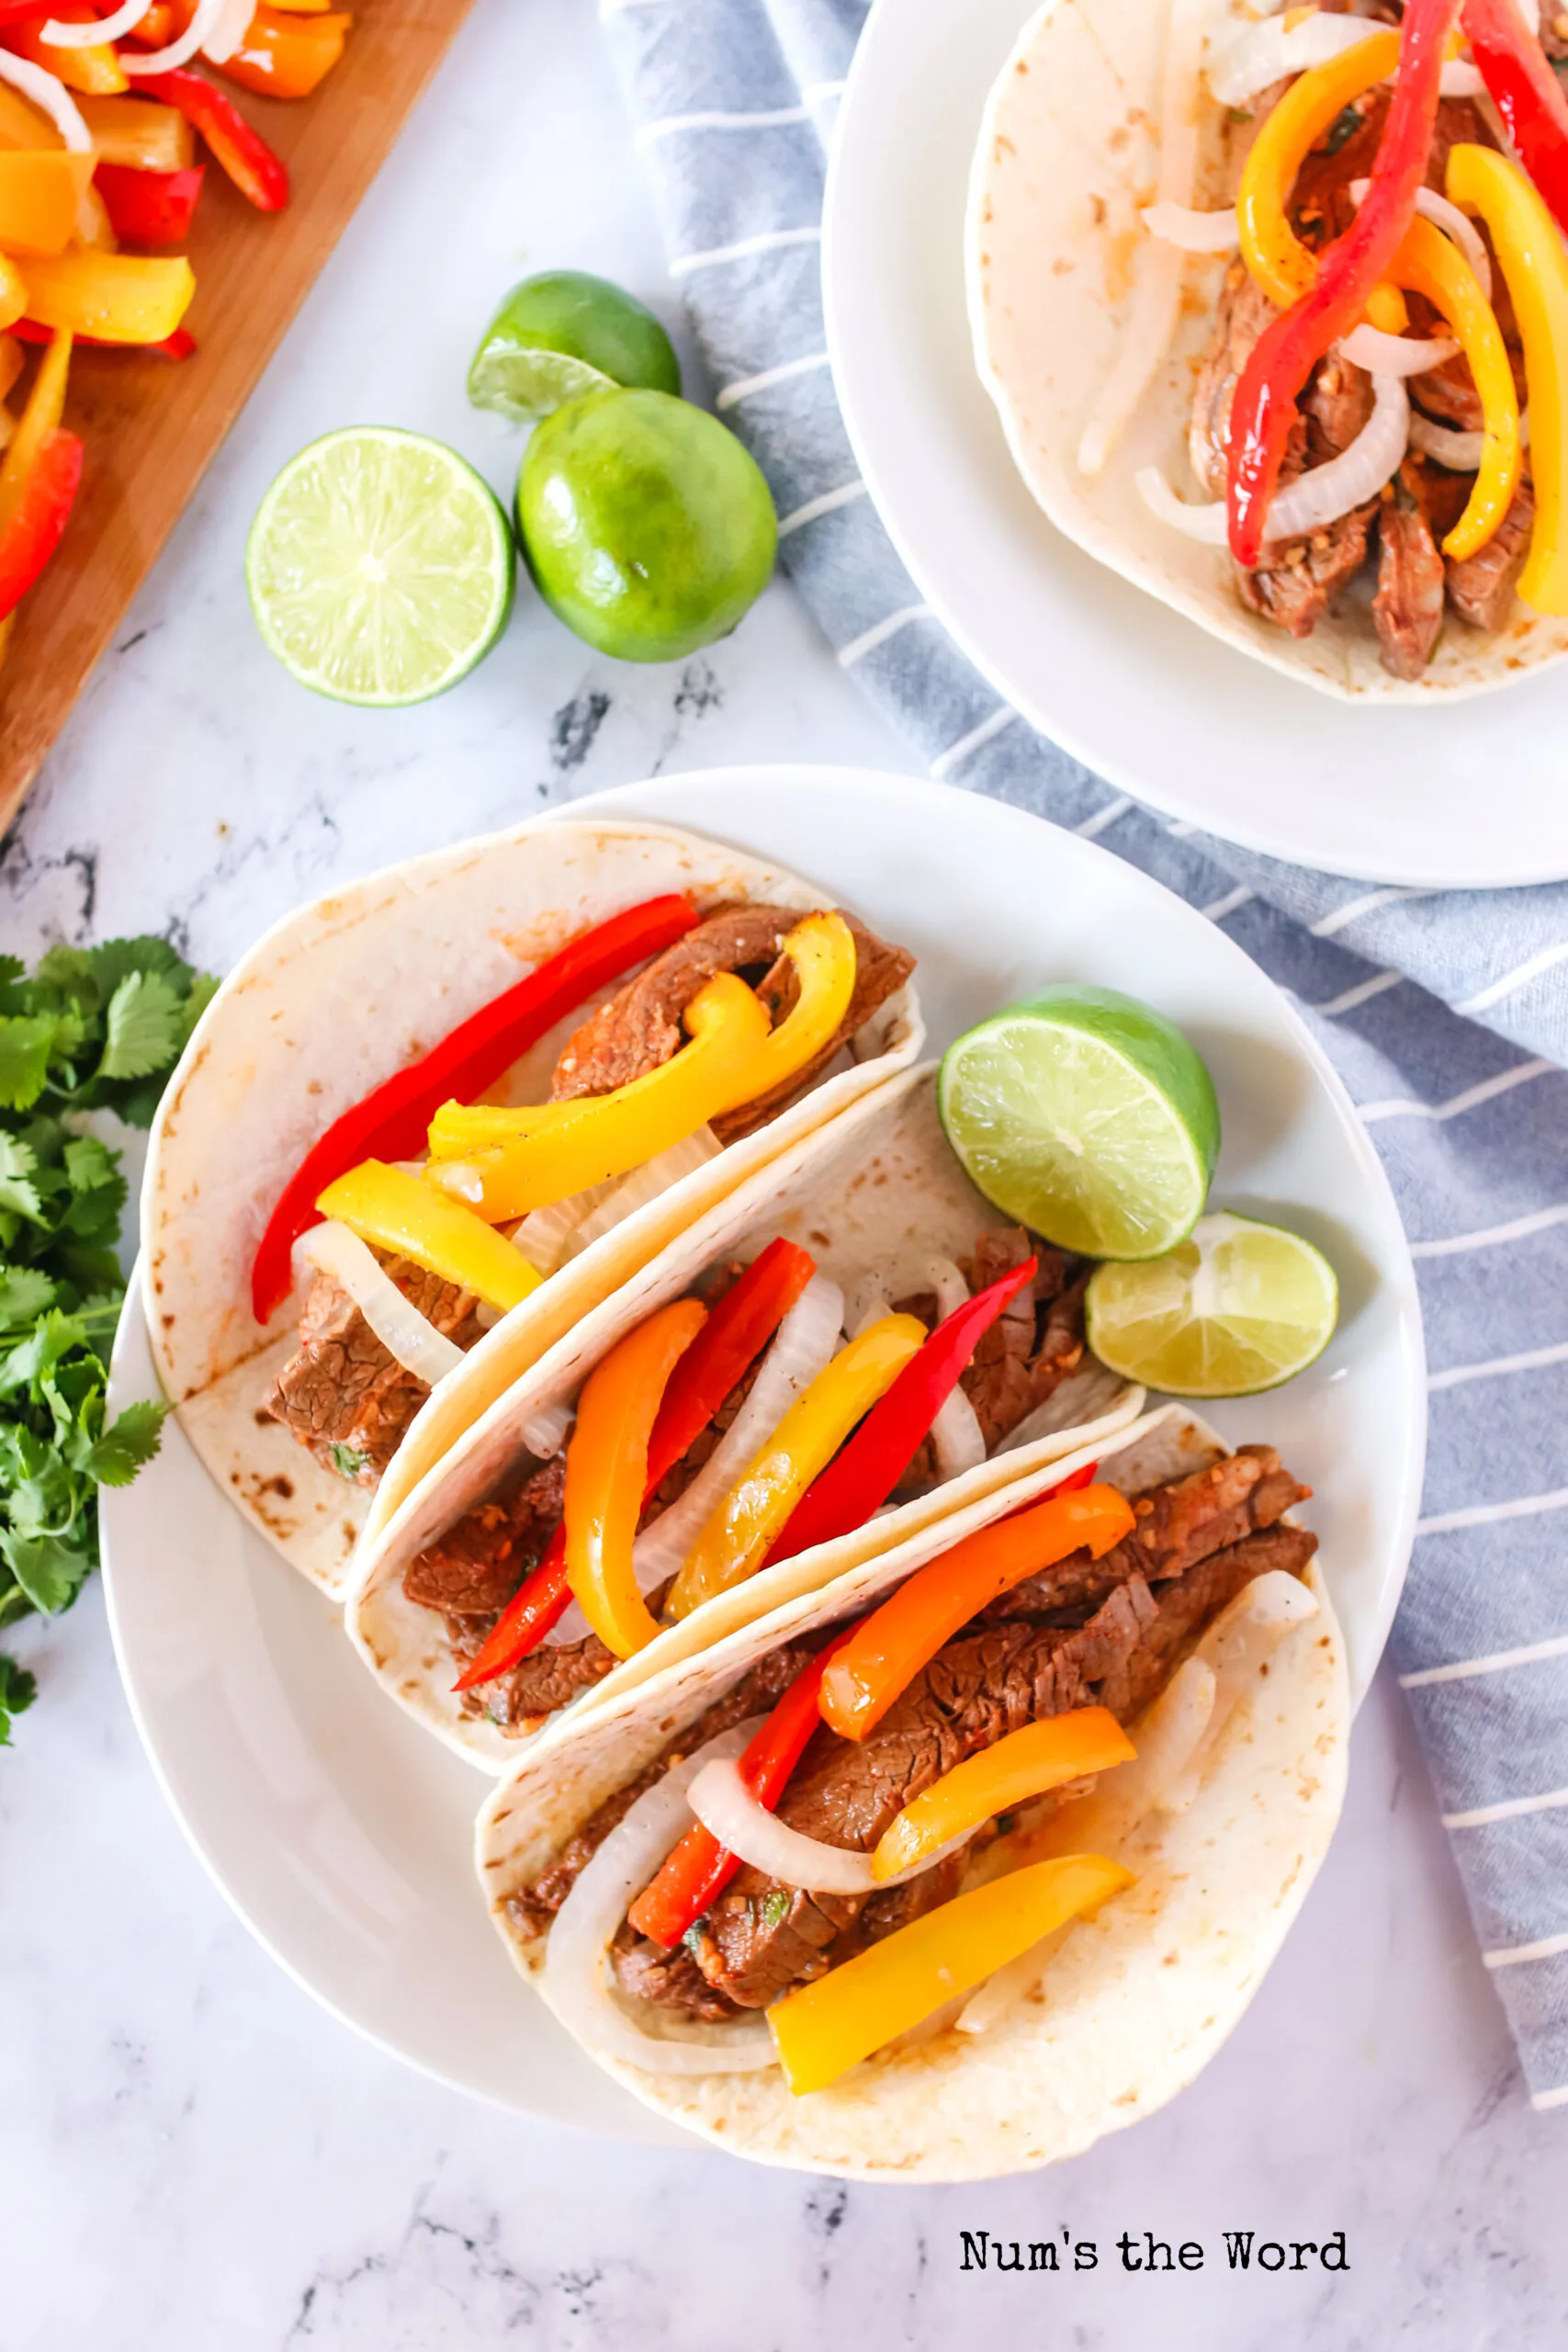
column 149, row 426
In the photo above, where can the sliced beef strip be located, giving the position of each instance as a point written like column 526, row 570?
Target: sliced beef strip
column 761, row 1937
column 1481, row 588
column 1407, row 610
column 551, row 1676
column 667, row 1980
column 1303, row 577
column 473, row 1570
column 346, row 1395
column 1242, row 312
column 638, row 1029
column 533, row 1907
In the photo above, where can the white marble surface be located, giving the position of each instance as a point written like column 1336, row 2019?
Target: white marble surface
column 191, row 2153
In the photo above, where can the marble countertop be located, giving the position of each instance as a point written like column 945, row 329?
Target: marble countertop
column 193, row 2153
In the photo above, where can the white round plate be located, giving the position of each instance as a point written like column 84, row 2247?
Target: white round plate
column 339, row 1831
column 1462, row 796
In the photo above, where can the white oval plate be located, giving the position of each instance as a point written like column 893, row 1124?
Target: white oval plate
column 1465, row 797
column 340, row 1832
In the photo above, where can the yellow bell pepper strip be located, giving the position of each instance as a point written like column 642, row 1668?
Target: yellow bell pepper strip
column 137, row 134
column 1429, row 263
column 1386, row 309
column 606, row 1473
column 11, row 359
column 736, row 1539
column 114, row 298
column 1276, row 256
column 822, row 949
column 284, row 57
column 928, row 1609
column 13, row 292
column 1535, row 266
column 42, row 415
column 559, row 1148
column 40, row 195
column 394, row 1210
column 1024, row 1765
column 95, row 69
column 823, row 2030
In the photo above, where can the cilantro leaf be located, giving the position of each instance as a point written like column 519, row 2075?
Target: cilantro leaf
column 27, row 1041
column 25, row 1292
column 17, row 1690
column 18, row 1165
column 142, row 1026
column 131, row 1440
column 50, row 1570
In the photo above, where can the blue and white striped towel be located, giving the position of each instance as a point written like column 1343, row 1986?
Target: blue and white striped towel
column 1446, row 1014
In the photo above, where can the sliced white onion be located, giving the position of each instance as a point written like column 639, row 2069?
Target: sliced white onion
column 1460, row 452
column 1393, row 354
column 1235, row 1649
column 229, row 32
column 958, row 1442
column 576, row 1959
column 1263, row 53
column 124, row 20
column 1531, row 11
column 402, row 1331
column 209, row 15
column 1460, row 78
column 1314, row 500
column 726, row 1808
column 644, row 1184
column 543, row 1433
column 48, row 91
column 1195, row 232
column 1157, row 298
column 1452, row 223
column 544, row 1235
column 806, row 1342
column 867, row 1299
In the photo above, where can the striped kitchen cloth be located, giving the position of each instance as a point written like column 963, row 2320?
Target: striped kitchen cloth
column 1445, row 1012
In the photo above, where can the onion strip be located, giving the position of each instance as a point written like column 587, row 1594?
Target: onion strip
column 402, row 1331
column 728, row 1811
column 1314, row 500
column 101, row 29
column 578, row 1952
column 208, row 18
column 48, row 91
column 1393, row 354
column 1453, row 223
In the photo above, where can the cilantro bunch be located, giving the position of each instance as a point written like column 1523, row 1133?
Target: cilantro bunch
column 92, row 1029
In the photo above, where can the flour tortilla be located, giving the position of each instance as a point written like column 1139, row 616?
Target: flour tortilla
column 1068, row 154
column 1132, row 2004
column 872, row 1193
column 331, row 1002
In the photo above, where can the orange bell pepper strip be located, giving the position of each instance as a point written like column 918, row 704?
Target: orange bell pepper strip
column 95, row 69
column 736, row 1539
column 114, row 298
column 823, row 2029
column 606, row 1473
column 286, row 57
column 13, row 292
column 40, row 197
column 45, row 404
column 928, row 1607
column 1025, row 1764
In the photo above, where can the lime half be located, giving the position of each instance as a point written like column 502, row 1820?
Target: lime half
column 1086, row 1117
column 1237, row 1306
column 562, row 333
column 379, row 566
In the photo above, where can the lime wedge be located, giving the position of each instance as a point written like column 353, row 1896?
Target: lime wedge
column 562, row 333
column 1237, row 1306
column 379, row 567
column 1086, row 1117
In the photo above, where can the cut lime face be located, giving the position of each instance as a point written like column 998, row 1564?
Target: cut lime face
column 380, row 567
column 1086, row 1117
column 1237, row 1306
column 562, row 333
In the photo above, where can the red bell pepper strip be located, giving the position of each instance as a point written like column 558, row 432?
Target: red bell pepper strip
column 393, row 1122
column 733, row 1336
column 150, row 207
column 243, row 154
column 865, row 1471
column 178, row 345
column 729, row 1342
column 1527, row 95
column 1290, row 346
column 700, row 1869
column 38, row 521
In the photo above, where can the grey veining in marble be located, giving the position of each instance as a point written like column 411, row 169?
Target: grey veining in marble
column 192, row 2155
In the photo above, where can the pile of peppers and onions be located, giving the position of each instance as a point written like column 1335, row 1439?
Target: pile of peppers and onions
column 99, row 143
column 823, row 2028
column 1389, row 251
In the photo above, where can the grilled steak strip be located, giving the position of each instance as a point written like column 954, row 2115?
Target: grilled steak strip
column 342, row 1389
column 638, row 1028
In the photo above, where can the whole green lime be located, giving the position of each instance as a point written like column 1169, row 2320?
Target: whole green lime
column 564, row 333
column 648, row 528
